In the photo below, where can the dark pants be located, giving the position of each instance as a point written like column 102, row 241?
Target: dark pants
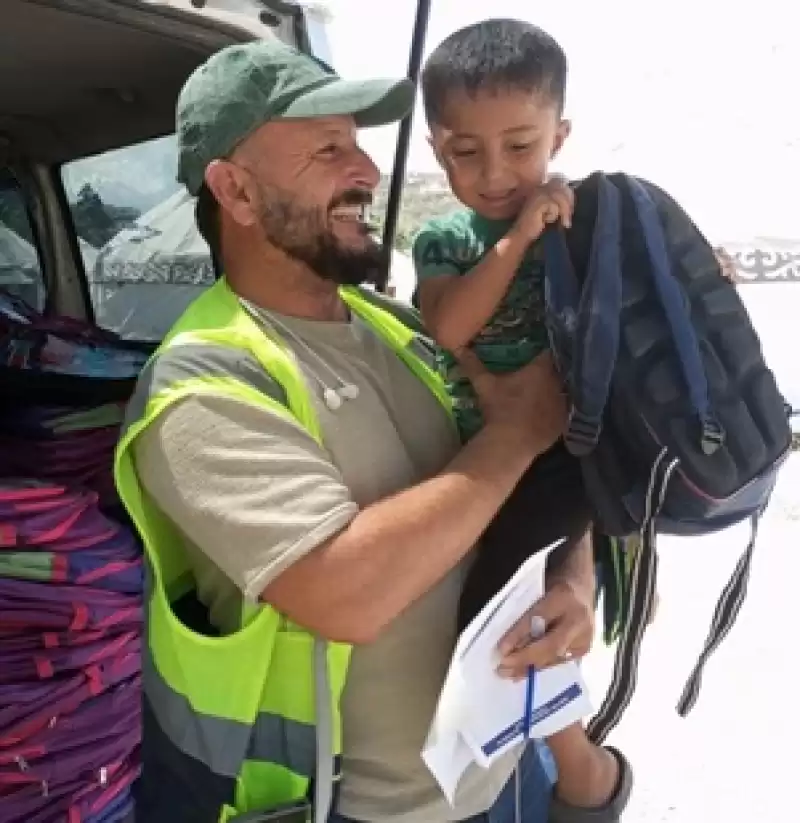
column 548, row 503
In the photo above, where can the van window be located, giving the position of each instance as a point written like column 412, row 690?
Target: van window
column 145, row 261
column 21, row 273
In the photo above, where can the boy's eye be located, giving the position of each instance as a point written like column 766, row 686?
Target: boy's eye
column 520, row 147
column 464, row 152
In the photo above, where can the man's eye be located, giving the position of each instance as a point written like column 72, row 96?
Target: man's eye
column 464, row 152
column 331, row 150
column 520, row 147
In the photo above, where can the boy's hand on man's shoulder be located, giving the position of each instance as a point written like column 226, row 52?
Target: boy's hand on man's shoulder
column 549, row 203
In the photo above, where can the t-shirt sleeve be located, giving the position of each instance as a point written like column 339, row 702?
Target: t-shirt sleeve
column 433, row 251
column 249, row 488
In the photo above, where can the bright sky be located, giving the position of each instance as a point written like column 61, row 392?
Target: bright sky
column 696, row 95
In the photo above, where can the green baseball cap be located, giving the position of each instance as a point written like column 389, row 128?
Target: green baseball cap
column 244, row 86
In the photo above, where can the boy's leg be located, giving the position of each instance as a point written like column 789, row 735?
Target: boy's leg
column 548, row 503
column 608, row 811
column 526, row 796
column 588, row 775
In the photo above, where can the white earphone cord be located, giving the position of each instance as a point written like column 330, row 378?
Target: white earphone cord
column 332, row 397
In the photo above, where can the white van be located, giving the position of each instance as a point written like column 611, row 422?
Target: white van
column 92, row 221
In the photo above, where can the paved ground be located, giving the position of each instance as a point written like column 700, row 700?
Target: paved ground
column 722, row 762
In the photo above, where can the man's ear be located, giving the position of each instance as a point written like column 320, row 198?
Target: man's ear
column 232, row 188
column 562, row 133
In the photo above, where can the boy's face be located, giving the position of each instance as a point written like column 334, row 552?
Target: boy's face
column 495, row 147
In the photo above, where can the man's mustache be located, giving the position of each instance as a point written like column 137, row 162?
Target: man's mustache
column 352, row 197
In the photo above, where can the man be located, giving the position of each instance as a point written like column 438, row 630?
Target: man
column 291, row 463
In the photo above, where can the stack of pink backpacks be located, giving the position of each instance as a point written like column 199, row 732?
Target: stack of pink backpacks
column 71, row 576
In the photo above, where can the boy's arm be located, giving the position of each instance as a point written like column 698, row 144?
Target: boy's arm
column 455, row 307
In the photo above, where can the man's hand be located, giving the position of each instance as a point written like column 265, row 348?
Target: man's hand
column 530, row 401
column 549, row 203
column 568, row 613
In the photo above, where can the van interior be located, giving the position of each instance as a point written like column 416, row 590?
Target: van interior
column 82, row 79
column 87, row 288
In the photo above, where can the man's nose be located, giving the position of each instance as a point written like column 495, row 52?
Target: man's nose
column 364, row 173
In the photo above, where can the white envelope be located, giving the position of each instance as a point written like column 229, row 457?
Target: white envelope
column 480, row 716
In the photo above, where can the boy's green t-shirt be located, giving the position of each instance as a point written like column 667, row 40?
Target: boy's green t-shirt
column 516, row 333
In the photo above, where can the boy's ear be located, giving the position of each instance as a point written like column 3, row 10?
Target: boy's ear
column 562, row 133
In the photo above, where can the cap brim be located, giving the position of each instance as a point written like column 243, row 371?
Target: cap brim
column 370, row 102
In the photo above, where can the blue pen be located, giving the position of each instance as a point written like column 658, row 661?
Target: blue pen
column 538, row 627
column 529, row 695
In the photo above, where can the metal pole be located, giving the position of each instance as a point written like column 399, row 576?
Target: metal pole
column 403, row 140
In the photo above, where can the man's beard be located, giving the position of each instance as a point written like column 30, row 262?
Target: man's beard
column 303, row 233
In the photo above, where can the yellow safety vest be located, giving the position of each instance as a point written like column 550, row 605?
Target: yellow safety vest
column 231, row 721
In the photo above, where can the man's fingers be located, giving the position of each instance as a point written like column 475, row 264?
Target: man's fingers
column 470, row 366
column 517, row 636
column 548, row 610
column 548, row 651
column 469, row 363
column 543, row 360
column 568, row 633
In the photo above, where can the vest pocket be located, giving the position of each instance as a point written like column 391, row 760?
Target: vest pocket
column 241, row 706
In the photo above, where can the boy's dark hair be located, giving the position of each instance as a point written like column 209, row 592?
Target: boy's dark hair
column 491, row 56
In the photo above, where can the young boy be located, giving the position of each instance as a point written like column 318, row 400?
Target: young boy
column 494, row 94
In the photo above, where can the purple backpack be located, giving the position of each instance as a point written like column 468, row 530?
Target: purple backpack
column 70, row 657
column 73, row 447
column 50, row 534
column 69, row 748
column 27, row 708
column 106, row 798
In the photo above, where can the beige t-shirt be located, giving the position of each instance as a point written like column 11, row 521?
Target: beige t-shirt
column 253, row 492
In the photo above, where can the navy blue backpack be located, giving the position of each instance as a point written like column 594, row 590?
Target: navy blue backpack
column 676, row 420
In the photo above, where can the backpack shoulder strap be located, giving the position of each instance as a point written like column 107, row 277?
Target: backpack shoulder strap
column 584, row 313
column 674, row 305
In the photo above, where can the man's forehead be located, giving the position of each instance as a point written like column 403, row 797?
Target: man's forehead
column 291, row 130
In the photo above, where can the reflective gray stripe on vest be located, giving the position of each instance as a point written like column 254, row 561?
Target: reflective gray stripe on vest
column 223, row 744
column 425, row 349
column 194, row 360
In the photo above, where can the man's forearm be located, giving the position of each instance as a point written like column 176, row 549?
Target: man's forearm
column 397, row 549
column 574, row 565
